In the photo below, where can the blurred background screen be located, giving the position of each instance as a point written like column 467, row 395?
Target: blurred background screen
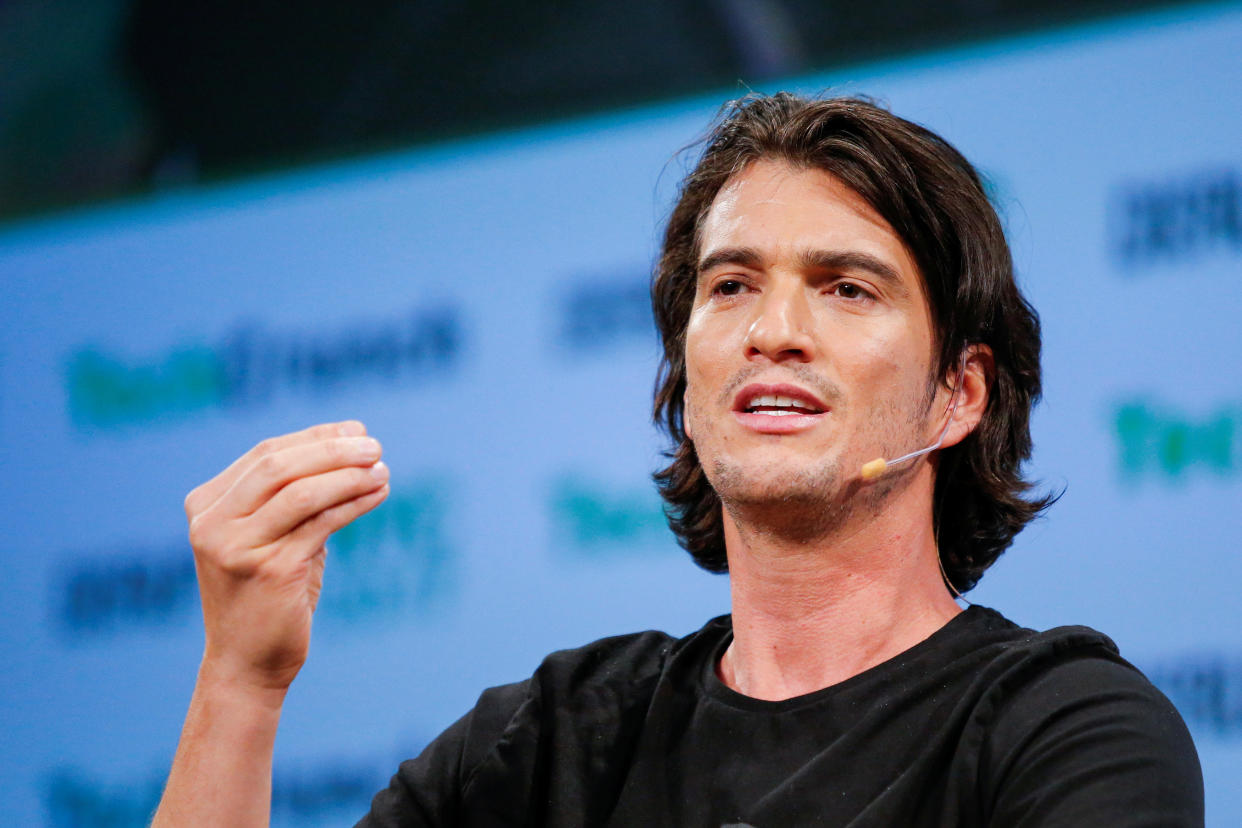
column 226, row 221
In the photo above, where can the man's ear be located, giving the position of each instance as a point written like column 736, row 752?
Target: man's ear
column 971, row 380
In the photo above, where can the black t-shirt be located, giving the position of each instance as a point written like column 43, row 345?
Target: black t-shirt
column 983, row 723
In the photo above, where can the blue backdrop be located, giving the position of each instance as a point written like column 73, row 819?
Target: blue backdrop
column 483, row 307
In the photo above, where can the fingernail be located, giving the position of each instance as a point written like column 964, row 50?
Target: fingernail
column 365, row 448
column 351, row 428
column 379, row 471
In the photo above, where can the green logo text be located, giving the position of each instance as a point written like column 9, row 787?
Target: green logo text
column 1156, row 442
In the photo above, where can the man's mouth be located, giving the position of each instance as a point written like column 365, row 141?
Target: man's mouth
column 778, row 401
column 779, row 406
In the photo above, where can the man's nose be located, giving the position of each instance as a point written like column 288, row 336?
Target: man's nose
column 781, row 329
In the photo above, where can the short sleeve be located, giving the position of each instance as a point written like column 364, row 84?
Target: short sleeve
column 1090, row 741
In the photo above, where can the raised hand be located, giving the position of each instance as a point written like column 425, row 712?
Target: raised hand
column 258, row 531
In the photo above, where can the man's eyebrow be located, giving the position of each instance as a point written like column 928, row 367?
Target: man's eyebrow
column 847, row 260
column 835, row 260
column 744, row 256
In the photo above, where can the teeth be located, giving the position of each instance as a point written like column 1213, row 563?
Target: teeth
column 779, row 401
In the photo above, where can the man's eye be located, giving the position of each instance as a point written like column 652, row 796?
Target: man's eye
column 729, row 287
column 849, row 290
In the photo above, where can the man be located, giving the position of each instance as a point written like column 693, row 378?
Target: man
column 835, row 294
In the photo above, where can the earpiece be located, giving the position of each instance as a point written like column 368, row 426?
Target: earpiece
column 879, row 466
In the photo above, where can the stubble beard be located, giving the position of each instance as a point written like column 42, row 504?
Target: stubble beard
column 800, row 505
column 819, row 498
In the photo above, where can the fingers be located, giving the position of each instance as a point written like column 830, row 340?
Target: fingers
column 305, row 498
column 207, row 494
column 314, row 532
column 275, row 470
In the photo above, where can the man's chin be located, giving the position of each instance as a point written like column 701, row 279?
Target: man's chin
column 776, row 486
column 800, row 504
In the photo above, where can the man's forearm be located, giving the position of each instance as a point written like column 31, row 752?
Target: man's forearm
column 222, row 772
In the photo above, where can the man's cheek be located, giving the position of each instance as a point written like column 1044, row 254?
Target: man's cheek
column 687, row 414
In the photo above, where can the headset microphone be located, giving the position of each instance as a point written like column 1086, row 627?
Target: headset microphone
column 878, row 466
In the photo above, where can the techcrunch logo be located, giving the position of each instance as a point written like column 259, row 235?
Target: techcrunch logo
column 1173, row 218
column 251, row 364
column 598, row 314
column 595, row 519
column 1207, row 691
column 394, row 559
column 1157, row 442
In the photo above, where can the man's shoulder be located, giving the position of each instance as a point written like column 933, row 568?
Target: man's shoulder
column 604, row 686
column 623, row 660
column 625, row 666
column 984, row 635
column 1069, row 726
column 1017, row 681
column 1064, row 665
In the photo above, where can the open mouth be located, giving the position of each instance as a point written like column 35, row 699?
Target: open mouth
column 783, row 400
column 776, row 405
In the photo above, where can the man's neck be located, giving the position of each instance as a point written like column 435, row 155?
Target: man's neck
column 810, row 614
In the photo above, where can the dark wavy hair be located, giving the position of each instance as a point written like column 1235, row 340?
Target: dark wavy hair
column 936, row 202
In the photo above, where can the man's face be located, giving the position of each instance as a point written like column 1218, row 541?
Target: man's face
column 809, row 347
